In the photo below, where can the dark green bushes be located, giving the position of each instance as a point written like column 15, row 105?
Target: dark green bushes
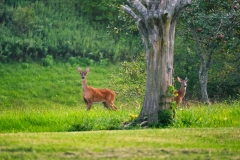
column 31, row 30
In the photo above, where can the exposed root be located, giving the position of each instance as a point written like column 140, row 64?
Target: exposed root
column 144, row 124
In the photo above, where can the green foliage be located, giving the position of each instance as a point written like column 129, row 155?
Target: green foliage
column 23, row 19
column 101, row 10
column 170, row 91
column 173, row 105
column 165, row 118
column 202, row 24
column 186, row 64
column 129, row 81
column 125, row 22
column 48, row 61
column 218, row 115
column 32, row 30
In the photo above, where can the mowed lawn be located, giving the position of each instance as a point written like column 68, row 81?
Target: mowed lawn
column 181, row 143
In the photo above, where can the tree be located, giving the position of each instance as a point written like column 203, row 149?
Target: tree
column 211, row 24
column 156, row 21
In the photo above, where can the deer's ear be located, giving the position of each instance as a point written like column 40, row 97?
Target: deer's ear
column 186, row 79
column 79, row 69
column 88, row 69
column 179, row 79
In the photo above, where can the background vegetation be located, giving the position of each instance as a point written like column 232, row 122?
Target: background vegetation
column 32, row 30
column 96, row 32
column 48, row 38
column 37, row 98
column 41, row 45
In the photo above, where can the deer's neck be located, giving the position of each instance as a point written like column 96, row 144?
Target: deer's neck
column 84, row 85
column 182, row 91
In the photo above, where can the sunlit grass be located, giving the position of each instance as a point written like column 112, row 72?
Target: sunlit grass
column 49, row 99
column 59, row 119
column 221, row 114
column 181, row 143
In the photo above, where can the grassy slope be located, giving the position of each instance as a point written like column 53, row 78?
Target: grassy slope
column 48, row 99
column 36, row 85
column 213, row 143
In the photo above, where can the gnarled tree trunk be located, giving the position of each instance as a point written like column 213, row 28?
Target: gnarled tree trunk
column 156, row 21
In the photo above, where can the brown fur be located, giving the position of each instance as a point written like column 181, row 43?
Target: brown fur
column 90, row 94
column 181, row 92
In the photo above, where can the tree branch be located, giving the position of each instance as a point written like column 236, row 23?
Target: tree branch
column 181, row 5
column 139, row 7
column 128, row 10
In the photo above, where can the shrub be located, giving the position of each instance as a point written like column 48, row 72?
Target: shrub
column 48, row 61
column 129, row 81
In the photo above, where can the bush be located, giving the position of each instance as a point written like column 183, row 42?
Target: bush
column 129, row 81
column 48, row 61
column 165, row 118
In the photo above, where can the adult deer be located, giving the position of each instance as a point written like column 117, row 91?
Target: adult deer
column 182, row 91
column 90, row 94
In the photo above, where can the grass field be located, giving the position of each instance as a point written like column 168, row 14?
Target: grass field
column 48, row 99
column 182, row 143
column 42, row 114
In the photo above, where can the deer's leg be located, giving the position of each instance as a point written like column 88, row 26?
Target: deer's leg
column 86, row 102
column 105, row 105
column 89, row 105
column 111, row 104
column 110, row 101
column 114, row 107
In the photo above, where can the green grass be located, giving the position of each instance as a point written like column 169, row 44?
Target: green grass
column 41, row 112
column 46, row 86
column 217, row 115
column 59, row 119
column 36, row 98
column 49, row 99
column 182, row 143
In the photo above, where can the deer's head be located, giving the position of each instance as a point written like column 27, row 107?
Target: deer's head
column 83, row 73
column 183, row 82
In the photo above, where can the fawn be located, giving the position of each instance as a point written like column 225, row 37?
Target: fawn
column 90, row 94
column 181, row 92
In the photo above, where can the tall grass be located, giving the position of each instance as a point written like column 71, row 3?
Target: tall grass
column 59, row 119
column 37, row 98
column 222, row 114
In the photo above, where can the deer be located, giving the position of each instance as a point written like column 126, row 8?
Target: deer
column 90, row 94
column 181, row 92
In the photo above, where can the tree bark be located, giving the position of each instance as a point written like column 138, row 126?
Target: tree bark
column 203, row 77
column 156, row 21
column 206, row 58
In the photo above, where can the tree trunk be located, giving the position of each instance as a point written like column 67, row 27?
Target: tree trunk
column 203, row 77
column 159, row 71
column 157, row 24
column 205, row 64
